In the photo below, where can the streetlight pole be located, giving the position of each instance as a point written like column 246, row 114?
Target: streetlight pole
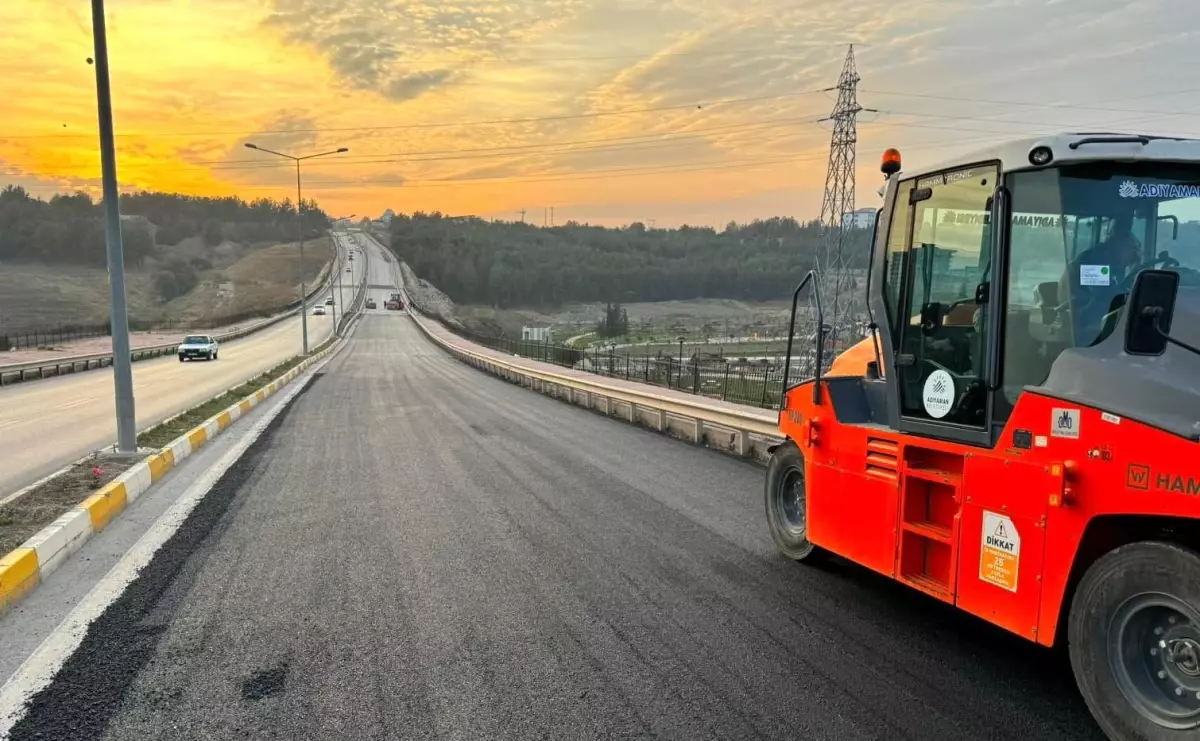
column 117, row 310
column 341, row 299
column 299, row 227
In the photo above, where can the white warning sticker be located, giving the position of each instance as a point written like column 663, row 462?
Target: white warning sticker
column 1000, row 556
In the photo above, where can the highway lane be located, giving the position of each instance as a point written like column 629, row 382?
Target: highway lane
column 421, row 551
column 47, row 424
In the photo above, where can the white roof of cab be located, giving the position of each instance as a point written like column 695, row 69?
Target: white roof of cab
column 1014, row 155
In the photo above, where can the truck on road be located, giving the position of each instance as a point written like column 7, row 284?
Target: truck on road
column 1019, row 436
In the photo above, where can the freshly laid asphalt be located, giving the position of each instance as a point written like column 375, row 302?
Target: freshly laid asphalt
column 416, row 550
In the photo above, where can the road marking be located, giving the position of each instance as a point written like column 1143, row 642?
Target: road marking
column 76, row 403
column 40, row 668
column 8, row 423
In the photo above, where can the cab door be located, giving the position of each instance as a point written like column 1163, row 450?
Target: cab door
column 942, row 355
column 942, row 366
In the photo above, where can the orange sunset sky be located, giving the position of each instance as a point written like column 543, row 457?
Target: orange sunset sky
column 696, row 111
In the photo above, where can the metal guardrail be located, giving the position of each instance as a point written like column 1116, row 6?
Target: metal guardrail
column 753, row 431
column 78, row 363
column 360, row 297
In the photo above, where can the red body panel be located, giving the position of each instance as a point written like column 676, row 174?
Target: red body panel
column 940, row 516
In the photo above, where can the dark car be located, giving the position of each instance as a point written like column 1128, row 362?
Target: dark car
column 370, row 303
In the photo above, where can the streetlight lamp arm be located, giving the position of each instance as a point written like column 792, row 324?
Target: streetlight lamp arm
column 271, row 151
column 322, row 154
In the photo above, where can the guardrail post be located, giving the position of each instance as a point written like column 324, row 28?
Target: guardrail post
column 662, row 421
column 742, row 443
column 699, row 431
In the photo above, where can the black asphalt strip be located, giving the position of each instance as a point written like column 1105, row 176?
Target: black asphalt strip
column 88, row 690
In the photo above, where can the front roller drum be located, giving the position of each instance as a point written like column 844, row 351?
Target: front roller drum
column 1134, row 634
column 786, row 501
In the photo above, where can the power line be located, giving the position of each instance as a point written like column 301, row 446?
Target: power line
column 441, row 125
column 756, row 52
column 1067, row 106
column 697, row 167
column 681, row 132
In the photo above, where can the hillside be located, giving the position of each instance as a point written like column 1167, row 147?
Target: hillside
column 510, row 264
column 37, row 296
column 187, row 258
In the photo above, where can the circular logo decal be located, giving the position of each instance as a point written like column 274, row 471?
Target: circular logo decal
column 939, row 394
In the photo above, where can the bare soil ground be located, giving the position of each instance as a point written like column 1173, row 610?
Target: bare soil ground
column 262, row 281
column 36, row 296
column 44, row 296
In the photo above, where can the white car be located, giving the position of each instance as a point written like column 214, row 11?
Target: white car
column 198, row 346
column 319, row 311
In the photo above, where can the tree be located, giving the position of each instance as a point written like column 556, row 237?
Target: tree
column 509, row 264
column 615, row 322
column 70, row 228
column 214, row 233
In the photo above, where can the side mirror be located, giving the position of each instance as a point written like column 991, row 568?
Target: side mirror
column 1150, row 308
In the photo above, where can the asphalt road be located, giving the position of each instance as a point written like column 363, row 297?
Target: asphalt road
column 47, row 424
column 416, row 550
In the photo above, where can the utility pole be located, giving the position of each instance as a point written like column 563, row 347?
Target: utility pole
column 522, row 212
column 837, row 205
column 299, row 230
column 341, row 299
column 552, row 216
column 117, row 310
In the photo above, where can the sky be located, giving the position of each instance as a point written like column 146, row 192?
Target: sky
column 608, row 111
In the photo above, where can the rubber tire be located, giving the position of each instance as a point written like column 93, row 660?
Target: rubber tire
column 786, row 458
column 214, row 356
column 181, row 358
column 1113, row 578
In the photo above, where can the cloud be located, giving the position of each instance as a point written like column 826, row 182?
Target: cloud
column 380, row 45
column 411, row 86
column 395, row 80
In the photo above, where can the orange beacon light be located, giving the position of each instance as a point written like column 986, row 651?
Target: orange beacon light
column 891, row 162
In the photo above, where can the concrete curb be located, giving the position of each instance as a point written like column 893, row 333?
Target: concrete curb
column 23, row 568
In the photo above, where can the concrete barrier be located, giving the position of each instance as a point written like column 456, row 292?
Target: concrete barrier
column 743, row 431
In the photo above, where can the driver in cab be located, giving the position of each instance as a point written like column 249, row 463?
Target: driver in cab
column 1095, row 280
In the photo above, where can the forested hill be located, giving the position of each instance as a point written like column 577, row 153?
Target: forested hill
column 70, row 228
column 515, row 264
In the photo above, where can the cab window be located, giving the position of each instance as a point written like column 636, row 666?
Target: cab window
column 1078, row 235
column 944, row 312
column 897, row 252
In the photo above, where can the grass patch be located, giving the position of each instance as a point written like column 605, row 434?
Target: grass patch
column 22, row 519
column 165, row 433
